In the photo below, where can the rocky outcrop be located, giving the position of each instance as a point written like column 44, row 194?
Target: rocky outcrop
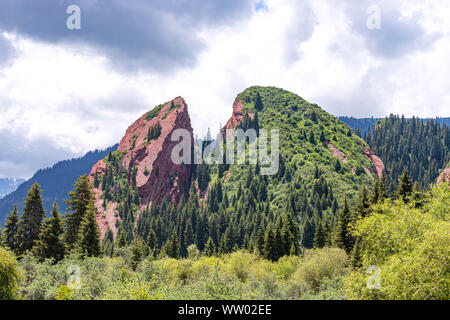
column 444, row 176
column 156, row 174
column 236, row 117
column 336, row 152
column 377, row 164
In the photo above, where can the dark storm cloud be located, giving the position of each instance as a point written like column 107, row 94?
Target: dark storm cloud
column 156, row 34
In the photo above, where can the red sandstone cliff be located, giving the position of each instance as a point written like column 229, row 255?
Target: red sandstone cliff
column 444, row 176
column 377, row 164
column 236, row 117
column 157, row 176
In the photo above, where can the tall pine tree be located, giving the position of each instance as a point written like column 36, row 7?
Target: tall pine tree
column 405, row 186
column 50, row 243
column 342, row 236
column 258, row 102
column 79, row 200
column 11, row 232
column 31, row 219
column 88, row 239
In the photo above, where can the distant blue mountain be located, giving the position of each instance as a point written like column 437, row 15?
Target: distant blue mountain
column 369, row 123
column 8, row 185
column 55, row 182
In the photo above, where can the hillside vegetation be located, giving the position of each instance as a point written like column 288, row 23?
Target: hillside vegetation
column 422, row 148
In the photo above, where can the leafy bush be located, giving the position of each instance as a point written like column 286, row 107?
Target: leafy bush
column 238, row 275
column 411, row 248
column 9, row 275
column 320, row 264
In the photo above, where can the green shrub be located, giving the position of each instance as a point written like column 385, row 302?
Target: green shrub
column 411, row 248
column 320, row 264
column 64, row 293
column 9, row 275
column 154, row 112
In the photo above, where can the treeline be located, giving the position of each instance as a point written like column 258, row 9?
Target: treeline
column 54, row 236
column 422, row 148
column 363, row 126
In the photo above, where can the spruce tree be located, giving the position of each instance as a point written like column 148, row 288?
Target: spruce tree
column 337, row 166
column 378, row 192
column 210, row 247
column 31, row 219
column 108, row 243
column 269, row 245
column 417, row 197
column 172, row 246
column 50, row 244
column 342, row 237
column 308, row 232
column 11, row 232
column 188, row 234
column 356, row 257
column 121, row 239
column 362, row 209
column 137, row 252
column 258, row 102
column 405, row 186
column 79, row 200
column 152, row 240
column 319, row 236
column 88, row 239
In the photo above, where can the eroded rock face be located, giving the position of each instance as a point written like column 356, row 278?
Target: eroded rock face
column 377, row 163
column 444, row 176
column 157, row 176
column 236, row 117
column 336, row 152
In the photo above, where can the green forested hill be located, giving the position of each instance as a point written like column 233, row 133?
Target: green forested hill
column 274, row 215
column 422, row 148
column 304, row 128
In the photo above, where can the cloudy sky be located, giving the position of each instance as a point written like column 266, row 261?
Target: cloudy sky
column 64, row 92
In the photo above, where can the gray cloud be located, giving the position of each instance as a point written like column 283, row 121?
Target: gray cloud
column 397, row 36
column 157, row 34
column 7, row 51
column 369, row 98
column 301, row 30
column 20, row 158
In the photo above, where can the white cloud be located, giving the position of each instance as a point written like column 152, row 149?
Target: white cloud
column 71, row 100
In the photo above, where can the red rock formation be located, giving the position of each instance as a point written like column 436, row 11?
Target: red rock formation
column 336, row 152
column 237, row 117
column 157, row 176
column 444, row 176
column 377, row 164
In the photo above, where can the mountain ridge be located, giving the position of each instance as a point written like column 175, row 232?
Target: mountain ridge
column 56, row 181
